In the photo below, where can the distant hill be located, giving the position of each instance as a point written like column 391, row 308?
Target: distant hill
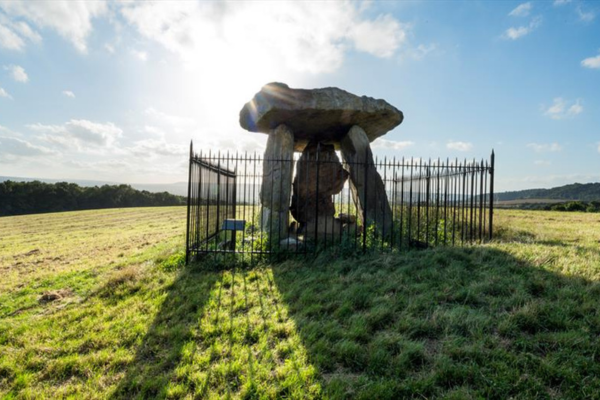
column 575, row 191
column 177, row 188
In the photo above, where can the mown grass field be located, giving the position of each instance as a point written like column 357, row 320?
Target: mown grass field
column 515, row 318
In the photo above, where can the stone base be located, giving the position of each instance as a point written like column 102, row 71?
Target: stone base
column 327, row 228
column 274, row 223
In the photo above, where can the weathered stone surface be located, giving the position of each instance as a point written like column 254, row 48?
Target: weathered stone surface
column 325, row 226
column 277, row 182
column 315, row 184
column 368, row 190
column 277, row 169
column 323, row 115
column 275, row 223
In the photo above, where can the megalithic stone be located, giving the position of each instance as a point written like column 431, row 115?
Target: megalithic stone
column 367, row 187
column 277, row 182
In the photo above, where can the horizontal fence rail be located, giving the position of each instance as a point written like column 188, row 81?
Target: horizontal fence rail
column 245, row 204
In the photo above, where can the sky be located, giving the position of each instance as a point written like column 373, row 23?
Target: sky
column 115, row 91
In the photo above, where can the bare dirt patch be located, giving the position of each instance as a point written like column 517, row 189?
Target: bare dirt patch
column 54, row 295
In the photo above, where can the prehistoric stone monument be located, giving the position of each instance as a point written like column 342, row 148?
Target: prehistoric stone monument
column 317, row 122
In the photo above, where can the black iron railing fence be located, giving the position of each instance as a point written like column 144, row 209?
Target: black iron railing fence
column 423, row 203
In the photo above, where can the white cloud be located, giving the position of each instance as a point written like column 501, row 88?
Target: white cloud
column 140, row 55
column 561, row 2
column 515, row 33
column 18, row 147
column 4, row 93
column 17, row 72
column 561, row 108
column 380, row 37
column 542, row 163
column 302, row 36
column 68, row 93
column 591, row 62
column 13, row 35
column 158, row 147
column 71, row 19
column 391, row 144
column 421, row 51
column 459, row 146
column 174, row 122
column 81, row 133
column 585, row 16
column 9, row 39
column 521, row 10
column 110, row 48
column 545, row 147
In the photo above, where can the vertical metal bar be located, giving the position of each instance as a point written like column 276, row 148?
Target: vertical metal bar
column 420, row 190
column 464, row 202
column 187, row 229
column 402, row 203
column 234, row 201
column 218, row 191
column 325, row 220
column 394, row 198
column 456, row 176
column 307, row 164
column 198, row 220
column 339, row 210
column 410, row 201
column 281, row 205
column 208, row 200
column 427, row 202
column 446, row 184
column 255, row 206
column 364, row 206
column 227, row 199
column 481, row 201
column 383, row 235
column 437, row 200
column 350, row 197
column 471, row 219
column 484, row 197
column 270, row 164
column 244, row 199
column 491, row 219
column 318, row 162
column 197, row 177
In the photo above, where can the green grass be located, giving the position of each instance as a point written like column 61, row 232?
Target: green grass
column 516, row 318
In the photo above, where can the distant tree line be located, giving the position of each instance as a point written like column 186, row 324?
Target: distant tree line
column 577, row 191
column 587, row 206
column 582, row 206
column 18, row 198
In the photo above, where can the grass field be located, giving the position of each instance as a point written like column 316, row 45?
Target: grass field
column 518, row 317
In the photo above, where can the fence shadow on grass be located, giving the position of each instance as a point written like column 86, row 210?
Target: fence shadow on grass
column 160, row 352
column 459, row 322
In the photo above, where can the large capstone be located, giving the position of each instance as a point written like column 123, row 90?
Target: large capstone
column 317, row 115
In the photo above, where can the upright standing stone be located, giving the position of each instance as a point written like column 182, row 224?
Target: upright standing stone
column 277, row 182
column 319, row 176
column 368, row 190
column 308, row 198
